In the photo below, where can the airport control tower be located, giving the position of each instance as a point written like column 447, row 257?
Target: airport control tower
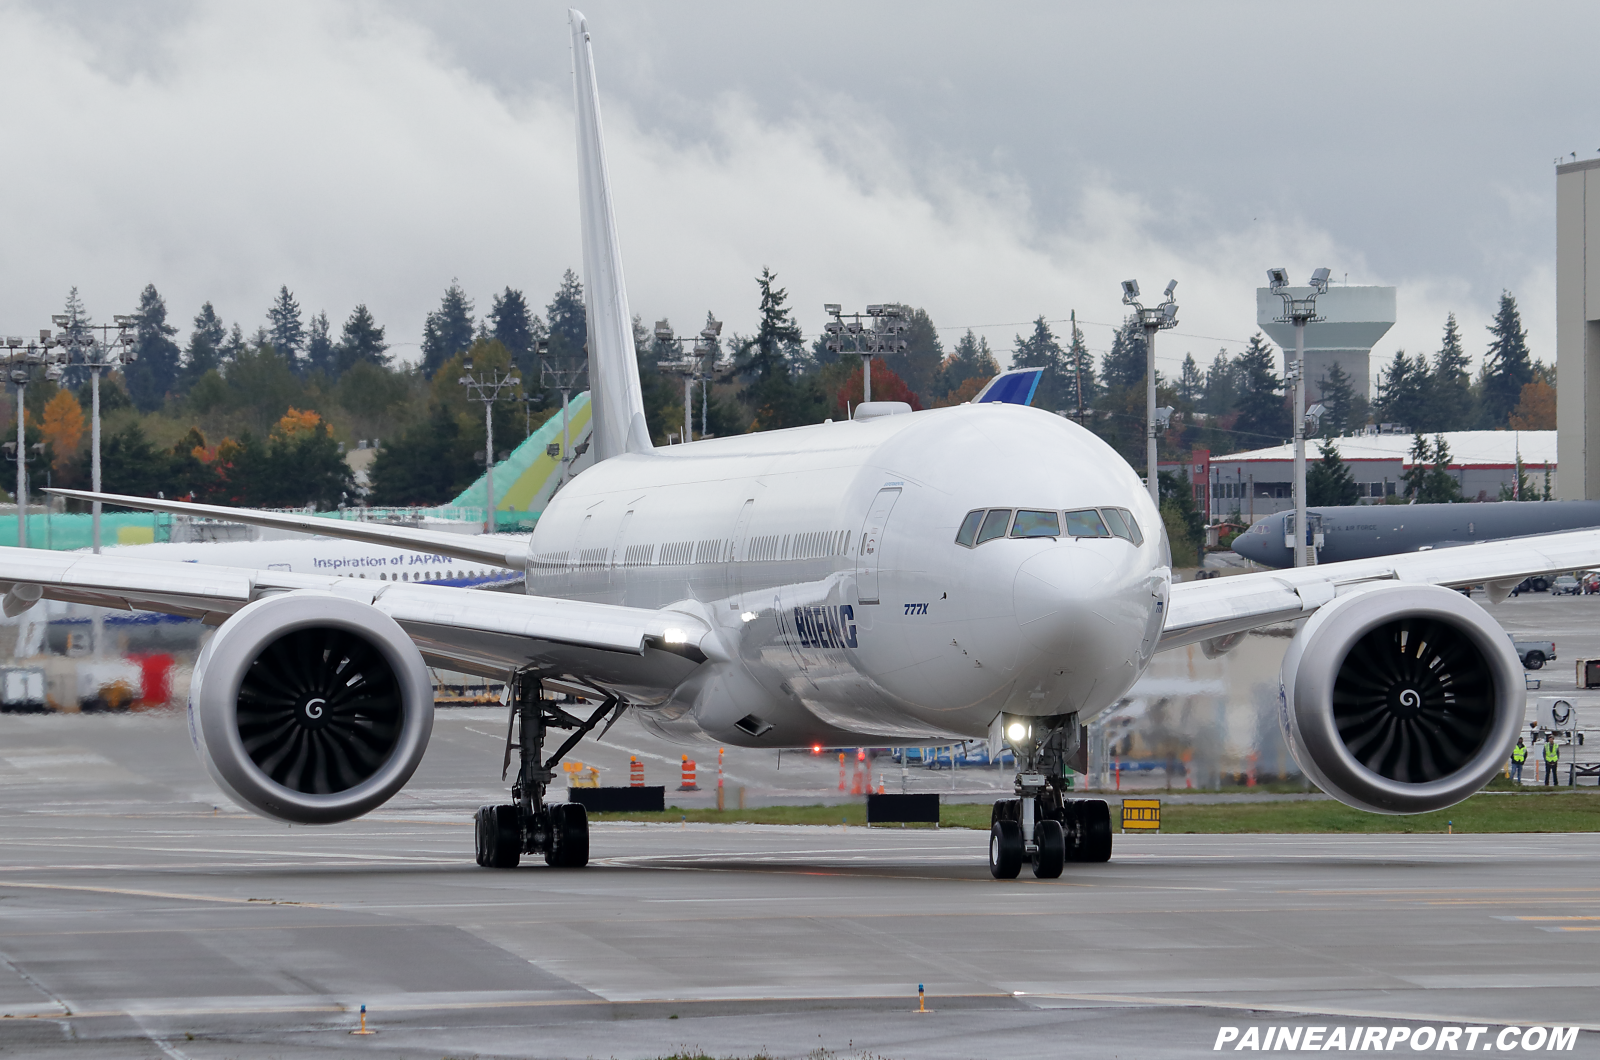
column 1355, row 318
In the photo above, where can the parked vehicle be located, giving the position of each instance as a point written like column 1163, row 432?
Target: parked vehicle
column 1566, row 585
column 1536, row 584
column 1533, row 653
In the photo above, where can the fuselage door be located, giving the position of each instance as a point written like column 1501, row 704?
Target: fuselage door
column 869, row 556
column 738, row 553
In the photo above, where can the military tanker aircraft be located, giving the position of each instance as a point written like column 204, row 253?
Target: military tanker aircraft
column 990, row 569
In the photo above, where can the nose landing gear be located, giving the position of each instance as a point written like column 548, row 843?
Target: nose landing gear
column 528, row 825
column 1041, row 825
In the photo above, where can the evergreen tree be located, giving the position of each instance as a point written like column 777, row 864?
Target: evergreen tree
column 447, row 330
column 1123, row 367
column 154, row 372
column 918, row 364
column 970, row 359
column 284, row 329
column 1078, row 373
column 319, row 348
column 1450, row 385
column 1403, row 392
column 204, row 352
column 430, row 463
column 235, row 345
column 1041, row 350
column 361, row 340
column 517, row 329
column 76, row 334
column 130, row 465
column 566, row 318
column 1264, row 417
column 1185, row 526
column 1222, row 385
column 1191, row 384
column 1440, row 486
column 764, row 360
column 1330, row 481
column 1339, row 399
column 1507, row 367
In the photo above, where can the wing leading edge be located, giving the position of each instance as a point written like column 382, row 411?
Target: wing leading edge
column 1200, row 611
column 642, row 653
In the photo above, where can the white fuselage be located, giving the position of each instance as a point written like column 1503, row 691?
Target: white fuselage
column 826, row 558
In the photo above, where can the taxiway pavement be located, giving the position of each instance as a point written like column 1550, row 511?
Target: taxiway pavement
column 137, row 920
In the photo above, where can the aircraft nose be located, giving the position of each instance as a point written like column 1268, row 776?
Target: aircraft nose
column 1248, row 545
column 1064, row 599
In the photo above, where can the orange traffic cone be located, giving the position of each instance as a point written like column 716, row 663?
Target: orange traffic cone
column 688, row 783
column 635, row 772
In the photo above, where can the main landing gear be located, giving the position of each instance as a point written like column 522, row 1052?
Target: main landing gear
column 1042, row 826
column 528, row 825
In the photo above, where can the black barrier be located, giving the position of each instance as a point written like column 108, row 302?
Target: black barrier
column 619, row 800
column 902, row 809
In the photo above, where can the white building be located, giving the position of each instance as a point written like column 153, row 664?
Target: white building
column 1259, row 483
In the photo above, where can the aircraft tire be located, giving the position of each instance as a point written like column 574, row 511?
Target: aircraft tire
column 1005, row 850
column 1049, row 850
column 1534, row 660
column 569, row 837
column 497, row 838
column 1094, row 830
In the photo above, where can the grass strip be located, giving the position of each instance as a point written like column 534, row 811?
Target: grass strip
column 1527, row 811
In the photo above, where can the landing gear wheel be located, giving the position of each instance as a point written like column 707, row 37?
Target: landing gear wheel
column 1049, row 850
column 1088, row 831
column 1005, row 850
column 569, row 836
column 498, row 839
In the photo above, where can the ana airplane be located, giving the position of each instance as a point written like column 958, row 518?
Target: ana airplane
column 990, row 569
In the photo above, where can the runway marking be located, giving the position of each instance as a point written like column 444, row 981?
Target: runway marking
column 1306, row 1010
column 158, row 894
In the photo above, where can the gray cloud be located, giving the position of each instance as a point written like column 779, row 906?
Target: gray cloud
column 988, row 164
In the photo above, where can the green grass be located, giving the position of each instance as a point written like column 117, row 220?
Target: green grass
column 1501, row 810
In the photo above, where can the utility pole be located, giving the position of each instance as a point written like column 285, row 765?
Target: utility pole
column 692, row 366
column 1300, row 311
column 881, row 336
column 1159, row 318
column 566, row 381
column 97, row 356
column 22, row 356
column 486, row 388
column 1077, row 364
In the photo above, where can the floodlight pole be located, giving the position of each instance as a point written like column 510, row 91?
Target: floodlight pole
column 881, row 336
column 564, row 380
column 1157, row 318
column 486, row 388
column 1299, row 312
column 690, row 366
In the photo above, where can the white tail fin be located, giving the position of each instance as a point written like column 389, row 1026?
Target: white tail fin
column 617, row 401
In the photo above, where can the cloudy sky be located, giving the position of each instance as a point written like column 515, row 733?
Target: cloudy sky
column 989, row 163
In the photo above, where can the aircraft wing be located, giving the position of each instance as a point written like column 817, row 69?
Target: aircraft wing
column 642, row 653
column 509, row 552
column 1206, row 610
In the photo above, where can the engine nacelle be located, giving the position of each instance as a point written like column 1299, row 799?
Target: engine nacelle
column 310, row 708
column 1401, row 698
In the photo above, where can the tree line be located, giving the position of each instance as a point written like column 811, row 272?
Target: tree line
column 261, row 418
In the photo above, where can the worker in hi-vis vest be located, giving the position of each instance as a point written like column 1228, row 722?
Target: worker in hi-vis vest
column 1519, row 755
column 1552, row 754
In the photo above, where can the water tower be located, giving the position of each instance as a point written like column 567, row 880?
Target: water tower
column 1352, row 320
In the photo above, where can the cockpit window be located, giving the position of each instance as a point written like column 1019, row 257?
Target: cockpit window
column 1133, row 526
column 1118, row 525
column 1036, row 524
column 968, row 533
column 994, row 524
column 1086, row 524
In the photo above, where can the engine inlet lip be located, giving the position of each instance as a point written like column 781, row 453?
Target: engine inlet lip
column 1325, row 641
column 214, row 713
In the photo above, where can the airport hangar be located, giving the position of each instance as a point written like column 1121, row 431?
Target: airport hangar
column 1259, row 483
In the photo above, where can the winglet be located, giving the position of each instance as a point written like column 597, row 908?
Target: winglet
column 618, row 401
column 1015, row 387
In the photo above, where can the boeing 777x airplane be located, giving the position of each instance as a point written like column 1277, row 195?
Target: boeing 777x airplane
column 989, row 569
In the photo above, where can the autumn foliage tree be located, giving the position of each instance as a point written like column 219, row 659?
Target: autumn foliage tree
column 62, row 428
column 886, row 386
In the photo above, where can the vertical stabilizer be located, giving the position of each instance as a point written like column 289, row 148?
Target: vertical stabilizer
column 618, row 402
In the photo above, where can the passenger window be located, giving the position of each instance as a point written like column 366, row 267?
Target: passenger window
column 994, row 525
column 1119, row 526
column 1036, row 524
column 1086, row 524
column 1133, row 527
column 968, row 534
